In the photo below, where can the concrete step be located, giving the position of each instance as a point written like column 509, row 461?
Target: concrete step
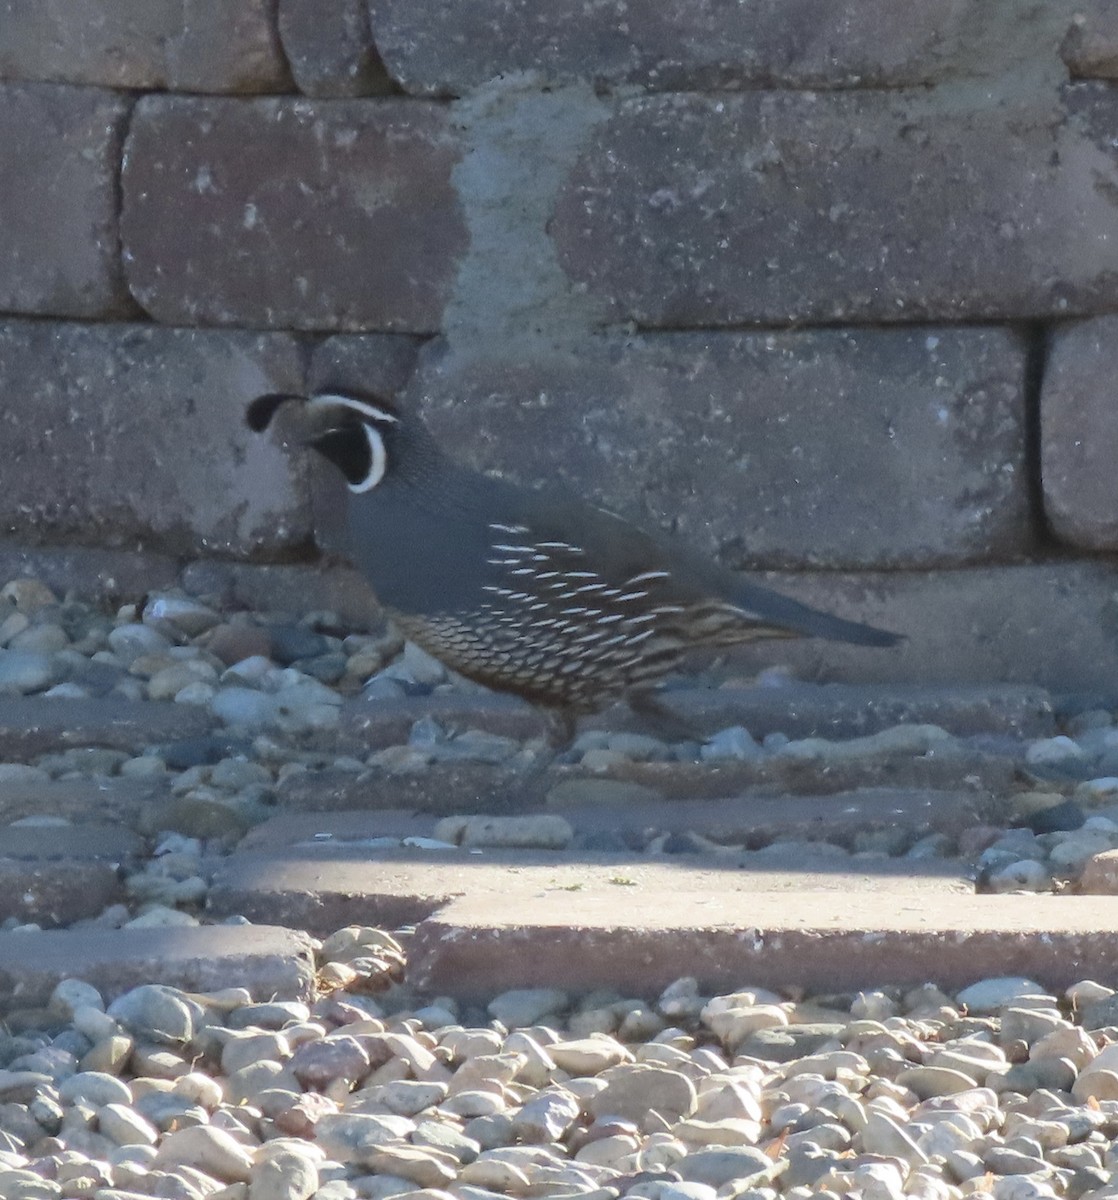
column 30, row 726
column 82, row 800
column 638, row 939
column 844, row 710
column 601, row 822
column 444, row 787
column 798, row 709
column 269, row 962
column 324, row 887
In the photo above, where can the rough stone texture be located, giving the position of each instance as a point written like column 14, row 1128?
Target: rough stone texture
column 50, row 843
column 183, row 45
column 842, row 941
column 272, row 963
column 53, row 894
column 329, row 46
column 1090, row 49
column 831, row 448
column 328, row 214
column 80, row 800
column 88, row 572
column 59, row 152
column 1100, row 875
column 698, row 210
column 55, row 874
column 444, row 47
column 1079, row 434
column 29, row 727
column 118, row 434
column 374, row 362
column 333, row 889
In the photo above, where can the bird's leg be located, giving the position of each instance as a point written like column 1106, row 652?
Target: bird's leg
column 559, row 732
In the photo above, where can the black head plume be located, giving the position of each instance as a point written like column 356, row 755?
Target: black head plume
column 259, row 414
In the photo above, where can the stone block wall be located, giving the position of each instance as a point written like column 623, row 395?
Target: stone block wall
column 828, row 288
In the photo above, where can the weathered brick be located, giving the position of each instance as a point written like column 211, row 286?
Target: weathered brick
column 1090, row 49
column 439, row 47
column 185, row 45
column 701, row 210
column 59, row 150
column 834, row 448
column 118, row 433
column 329, row 46
column 329, row 214
column 1079, row 434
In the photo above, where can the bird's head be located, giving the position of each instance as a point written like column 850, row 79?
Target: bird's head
column 355, row 432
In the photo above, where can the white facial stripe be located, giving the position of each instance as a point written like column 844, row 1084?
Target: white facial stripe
column 359, row 406
column 378, row 460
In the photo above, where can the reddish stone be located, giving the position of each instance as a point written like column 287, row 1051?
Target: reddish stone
column 854, row 206
column 59, row 243
column 232, row 643
column 126, row 434
column 1090, row 49
column 834, row 448
column 329, row 46
column 183, row 45
column 1079, row 434
column 317, row 1064
column 330, row 214
column 440, row 47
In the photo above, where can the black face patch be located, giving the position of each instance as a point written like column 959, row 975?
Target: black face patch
column 259, row 414
column 347, row 447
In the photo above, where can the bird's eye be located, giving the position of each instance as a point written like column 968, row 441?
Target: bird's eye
column 357, row 450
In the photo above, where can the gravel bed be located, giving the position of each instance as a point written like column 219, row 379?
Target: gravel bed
column 277, row 684
column 373, row 1091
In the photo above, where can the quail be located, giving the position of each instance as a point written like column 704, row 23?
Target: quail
column 529, row 591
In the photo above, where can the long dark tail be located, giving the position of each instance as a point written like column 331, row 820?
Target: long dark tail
column 783, row 613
